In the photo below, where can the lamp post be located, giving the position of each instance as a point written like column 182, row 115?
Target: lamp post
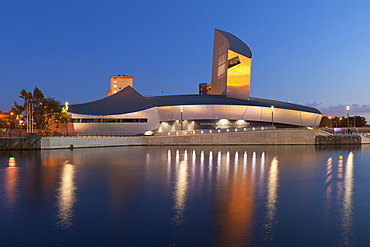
column 181, row 110
column 347, row 119
column 348, row 116
column 272, row 116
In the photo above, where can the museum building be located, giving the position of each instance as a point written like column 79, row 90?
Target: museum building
column 224, row 103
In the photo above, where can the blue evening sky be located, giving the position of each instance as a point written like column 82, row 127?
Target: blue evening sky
column 307, row 52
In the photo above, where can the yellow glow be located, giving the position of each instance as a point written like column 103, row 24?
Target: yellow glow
column 238, row 76
column 11, row 185
column 66, row 196
column 12, row 162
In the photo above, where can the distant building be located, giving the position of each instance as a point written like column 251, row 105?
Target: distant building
column 204, row 88
column 117, row 83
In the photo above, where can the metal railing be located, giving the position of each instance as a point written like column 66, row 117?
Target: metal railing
column 364, row 131
column 38, row 134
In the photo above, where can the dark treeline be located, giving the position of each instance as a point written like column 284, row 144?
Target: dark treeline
column 339, row 122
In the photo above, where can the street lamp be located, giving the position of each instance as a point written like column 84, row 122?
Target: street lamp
column 272, row 116
column 181, row 110
column 348, row 116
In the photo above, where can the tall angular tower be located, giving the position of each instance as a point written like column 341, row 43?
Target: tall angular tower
column 231, row 66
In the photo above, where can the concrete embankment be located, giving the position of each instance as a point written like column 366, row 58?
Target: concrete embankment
column 267, row 137
column 271, row 137
column 20, row 143
column 339, row 140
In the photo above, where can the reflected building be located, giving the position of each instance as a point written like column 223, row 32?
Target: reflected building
column 224, row 103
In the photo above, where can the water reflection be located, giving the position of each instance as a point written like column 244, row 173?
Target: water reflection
column 340, row 185
column 348, row 201
column 180, row 194
column 245, row 160
column 168, row 165
column 66, row 196
column 272, row 197
column 189, row 196
column 11, row 184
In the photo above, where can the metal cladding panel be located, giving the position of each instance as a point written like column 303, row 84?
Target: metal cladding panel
column 253, row 113
column 164, row 112
column 285, row 116
column 119, row 128
column 235, row 44
column 237, row 112
column 234, row 112
column 199, row 112
column 310, row 119
column 219, row 63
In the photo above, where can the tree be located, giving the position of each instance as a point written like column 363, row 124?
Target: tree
column 339, row 122
column 44, row 111
column 326, row 122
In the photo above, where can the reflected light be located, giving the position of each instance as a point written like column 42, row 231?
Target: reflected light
column 177, row 158
column 262, row 165
column 253, row 163
column 194, row 157
column 168, row 164
column 12, row 162
column 236, row 161
column 218, row 163
column 201, row 163
column 186, row 156
column 272, row 195
column 227, row 161
column 11, row 185
column 245, row 159
column 66, row 196
column 181, row 193
column 348, row 201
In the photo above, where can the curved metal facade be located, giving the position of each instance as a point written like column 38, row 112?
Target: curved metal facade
column 127, row 128
column 237, row 112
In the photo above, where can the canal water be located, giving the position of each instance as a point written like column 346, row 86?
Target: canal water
column 186, row 196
